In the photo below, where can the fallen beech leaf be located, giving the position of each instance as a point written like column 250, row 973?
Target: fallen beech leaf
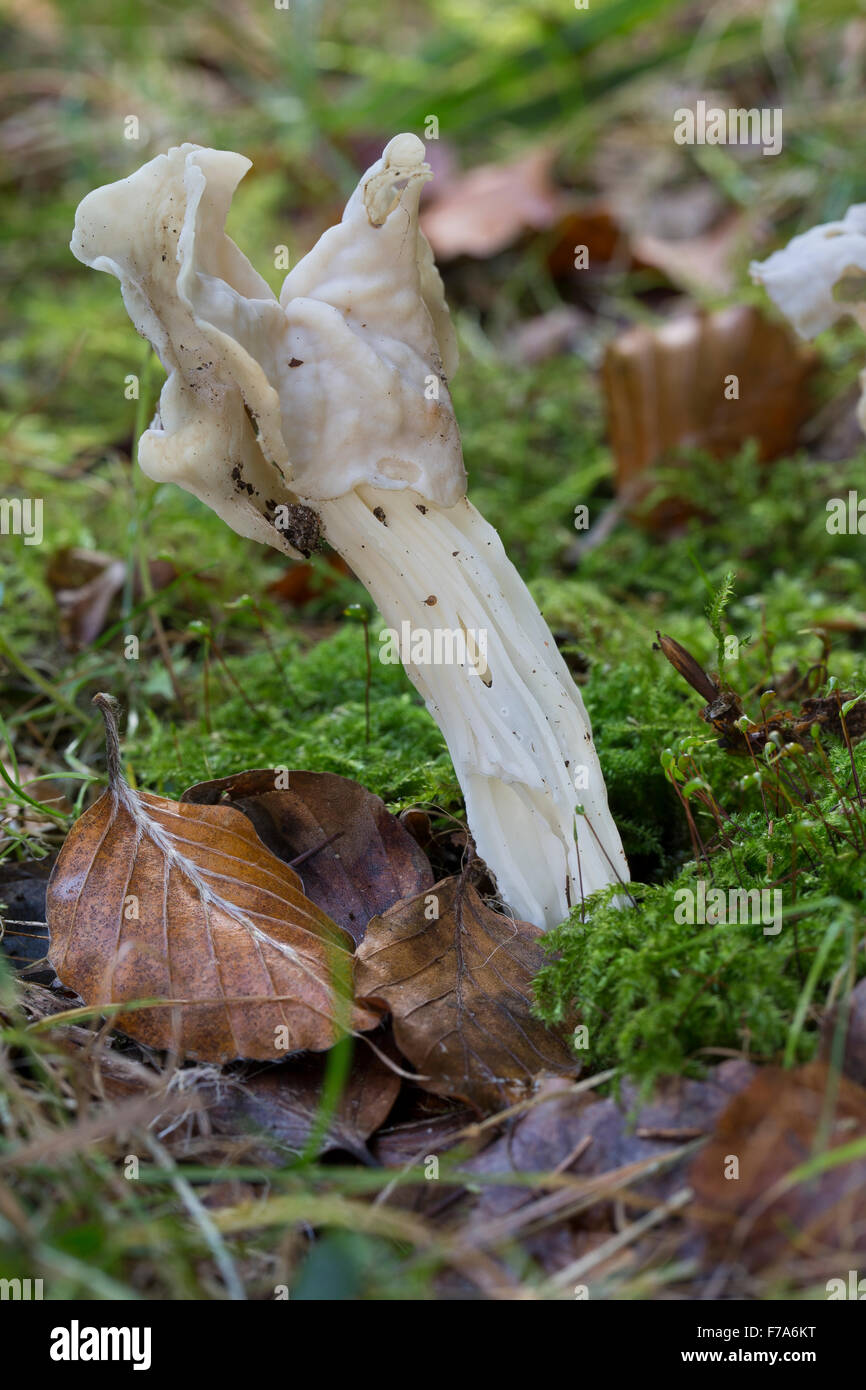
column 760, row 1221
column 304, row 581
column 417, row 822
column 153, row 899
column 487, row 209
column 695, row 263
column 410, row 1142
column 363, row 859
column 665, row 389
column 459, row 987
column 593, row 225
column 603, row 1135
column 85, row 585
column 281, row 1105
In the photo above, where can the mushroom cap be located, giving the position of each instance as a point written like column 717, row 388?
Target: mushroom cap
column 369, row 323
column 340, row 383
column 801, row 276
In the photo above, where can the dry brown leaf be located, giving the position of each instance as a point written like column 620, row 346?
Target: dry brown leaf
column 459, row 987
column 304, row 581
column 407, row 1143
column 665, row 390
column 281, row 1105
column 361, row 860
column 587, row 1135
column 86, row 584
column 759, row 1220
column 591, row 224
column 487, row 209
column 223, row 930
column 695, row 263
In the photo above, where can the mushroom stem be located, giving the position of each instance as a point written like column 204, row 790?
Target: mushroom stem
column 515, row 723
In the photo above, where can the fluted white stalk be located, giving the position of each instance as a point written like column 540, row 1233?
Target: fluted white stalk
column 518, row 733
column 334, row 402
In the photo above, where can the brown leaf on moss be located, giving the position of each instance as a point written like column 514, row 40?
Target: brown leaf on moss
column 761, row 1219
column 359, row 859
column 151, row 899
column 665, row 390
column 459, row 986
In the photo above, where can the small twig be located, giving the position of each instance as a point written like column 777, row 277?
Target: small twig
column 308, row 853
column 672, row 1133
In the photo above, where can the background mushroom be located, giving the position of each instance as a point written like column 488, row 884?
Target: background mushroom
column 333, row 403
column 820, row 277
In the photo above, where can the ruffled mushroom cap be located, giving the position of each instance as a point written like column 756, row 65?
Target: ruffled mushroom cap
column 369, row 403
column 213, row 321
column 800, row 279
column 270, row 401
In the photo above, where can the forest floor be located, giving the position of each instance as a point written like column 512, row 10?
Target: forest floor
column 126, row 1172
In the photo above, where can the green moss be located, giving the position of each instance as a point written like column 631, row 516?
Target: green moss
column 307, row 712
column 660, row 993
column 532, row 443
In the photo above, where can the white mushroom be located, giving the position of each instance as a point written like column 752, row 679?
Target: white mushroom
column 334, row 403
column 818, row 278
